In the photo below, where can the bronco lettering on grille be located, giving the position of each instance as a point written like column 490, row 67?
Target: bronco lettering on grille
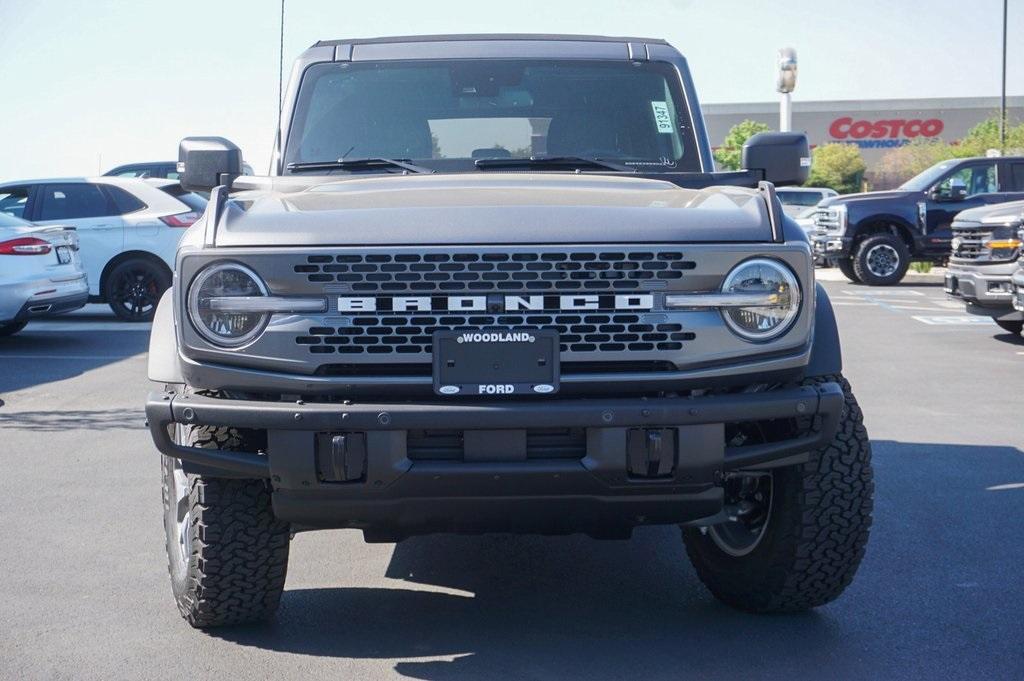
column 639, row 301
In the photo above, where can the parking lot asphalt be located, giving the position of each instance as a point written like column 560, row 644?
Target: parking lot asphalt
column 85, row 593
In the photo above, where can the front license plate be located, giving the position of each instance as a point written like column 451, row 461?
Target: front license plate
column 63, row 255
column 950, row 286
column 500, row 362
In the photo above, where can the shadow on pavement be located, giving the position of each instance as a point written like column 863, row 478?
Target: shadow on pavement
column 1010, row 338
column 30, row 359
column 929, row 599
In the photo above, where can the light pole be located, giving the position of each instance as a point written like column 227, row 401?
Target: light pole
column 1002, row 97
column 785, row 84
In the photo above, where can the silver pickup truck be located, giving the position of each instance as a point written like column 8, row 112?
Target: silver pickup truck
column 494, row 284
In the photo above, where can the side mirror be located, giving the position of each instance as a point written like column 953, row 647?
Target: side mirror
column 207, row 162
column 782, row 157
column 957, row 191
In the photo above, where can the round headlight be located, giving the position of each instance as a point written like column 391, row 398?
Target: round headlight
column 211, row 312
column 781, row 292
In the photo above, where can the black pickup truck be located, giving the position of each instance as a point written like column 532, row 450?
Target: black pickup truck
column 873, row 237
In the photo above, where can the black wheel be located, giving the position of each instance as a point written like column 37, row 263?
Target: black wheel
column 845, row 266
column 881, row 260
column 133, row 289
column 1012, row 327
column 11, row 328
column 227, row 553
column 797, row 534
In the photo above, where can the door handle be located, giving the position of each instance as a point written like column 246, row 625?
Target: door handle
column 103, row 228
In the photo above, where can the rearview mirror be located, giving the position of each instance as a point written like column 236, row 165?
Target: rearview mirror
column 784, row 158
column 208, row 162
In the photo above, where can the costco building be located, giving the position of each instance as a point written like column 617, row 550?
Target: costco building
column 876, row 126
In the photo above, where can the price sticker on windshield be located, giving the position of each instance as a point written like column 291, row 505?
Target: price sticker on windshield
column 661, row 118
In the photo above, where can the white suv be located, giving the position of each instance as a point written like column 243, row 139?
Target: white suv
column 128, row 230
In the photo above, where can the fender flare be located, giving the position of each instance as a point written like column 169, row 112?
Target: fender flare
column 163, row 366
column 826, row 351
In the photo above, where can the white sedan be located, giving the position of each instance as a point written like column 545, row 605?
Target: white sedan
column 40, row 273
column 128, row 229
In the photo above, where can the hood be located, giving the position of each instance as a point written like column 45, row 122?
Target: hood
column 1010, row 213
column 893, row 194
column 505, row 208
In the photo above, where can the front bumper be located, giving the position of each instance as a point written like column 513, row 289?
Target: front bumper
column 985, row 289
column 827, row 245
column 1018, row 290
column 399, row 494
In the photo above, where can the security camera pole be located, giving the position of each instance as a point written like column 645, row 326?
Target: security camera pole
column 785, row 84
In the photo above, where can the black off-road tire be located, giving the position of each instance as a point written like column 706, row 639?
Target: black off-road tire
column 845, row 266
column 11, row 328
column 1010, row 326
column 816, row 532
column 885, row 244
column 237, row 551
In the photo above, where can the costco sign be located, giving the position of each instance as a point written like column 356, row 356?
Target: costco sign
column 889, row 132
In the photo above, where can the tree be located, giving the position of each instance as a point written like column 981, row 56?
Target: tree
column 838, row 166
column 902, row 163
column 729, row 154
column 985, row 136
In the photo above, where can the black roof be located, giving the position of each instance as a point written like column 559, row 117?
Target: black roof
column 489, row 36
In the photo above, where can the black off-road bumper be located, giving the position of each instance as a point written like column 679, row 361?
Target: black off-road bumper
column 640, row 461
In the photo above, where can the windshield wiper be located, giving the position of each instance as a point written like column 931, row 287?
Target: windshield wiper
column 571, row 162
column 358, row 164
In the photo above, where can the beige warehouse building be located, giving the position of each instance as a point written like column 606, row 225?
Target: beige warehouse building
column 876, row 126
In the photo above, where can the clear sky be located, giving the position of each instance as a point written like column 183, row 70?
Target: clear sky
column 89, row 85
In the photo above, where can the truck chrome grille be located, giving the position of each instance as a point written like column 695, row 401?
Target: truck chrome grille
column 970, row 244
column 592, row 270
column 578, row 332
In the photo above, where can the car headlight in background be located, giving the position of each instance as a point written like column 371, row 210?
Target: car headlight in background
column 211, row 310
column 759, row 300
column 777, row 284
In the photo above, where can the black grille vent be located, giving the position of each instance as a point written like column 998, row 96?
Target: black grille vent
column 578, row 332
column 491, row 271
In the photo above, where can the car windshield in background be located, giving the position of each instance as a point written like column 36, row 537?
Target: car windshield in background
column 446, row 114
column 190, row 199
column 791, row 198
column 926, row 178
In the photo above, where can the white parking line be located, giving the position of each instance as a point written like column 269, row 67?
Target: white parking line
column 912, row 307
column 954, row 320
column 839, row 303
column 73, row 357
column 878, row 293
column 65, row 327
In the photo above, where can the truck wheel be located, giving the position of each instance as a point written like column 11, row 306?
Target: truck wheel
column 227, row 553
column 133, row 289
column 881, row 260
column 845, row 266
column 11, row 328
column 1012, row 327
column 800, row 531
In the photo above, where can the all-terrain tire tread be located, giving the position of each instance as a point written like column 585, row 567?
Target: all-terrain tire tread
column 239, row 548
column 820, row 544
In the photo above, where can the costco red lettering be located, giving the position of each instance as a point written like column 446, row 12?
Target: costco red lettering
column 846, row 127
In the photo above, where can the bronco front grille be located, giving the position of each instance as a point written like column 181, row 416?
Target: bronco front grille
column 604, row 270
column 578, row 332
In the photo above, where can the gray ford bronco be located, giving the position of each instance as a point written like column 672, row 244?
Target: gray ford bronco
column 494, row 284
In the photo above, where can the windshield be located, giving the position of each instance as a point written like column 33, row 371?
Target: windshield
column 11, row 221
column 794, row 198
column 445, row 114
column 927, row 178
